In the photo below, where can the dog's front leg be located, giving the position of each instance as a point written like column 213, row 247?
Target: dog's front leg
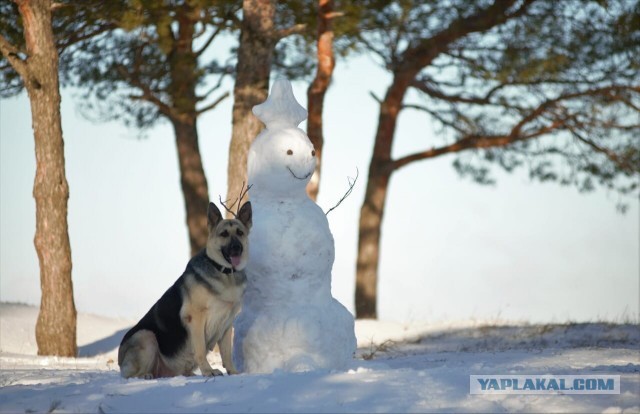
column 226, row 345
column 195, row 322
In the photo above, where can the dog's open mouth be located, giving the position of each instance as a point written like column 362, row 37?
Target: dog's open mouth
column 299, row 178
column 234, row 260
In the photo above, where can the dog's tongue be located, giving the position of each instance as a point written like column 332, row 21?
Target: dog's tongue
column 235, row 261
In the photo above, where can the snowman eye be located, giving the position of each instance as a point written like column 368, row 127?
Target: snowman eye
column 289, row 152
column 313, row 153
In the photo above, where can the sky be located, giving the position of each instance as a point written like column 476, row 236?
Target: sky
column 451, row 249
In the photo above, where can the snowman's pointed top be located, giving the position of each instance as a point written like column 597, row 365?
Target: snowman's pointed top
column 280, row 110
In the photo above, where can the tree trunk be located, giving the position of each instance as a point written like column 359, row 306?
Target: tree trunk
column 318, row 89
column 255, row 54
column 183, row 64
column 372, row 210
column 56, row 325
column 408, row 65
column 371, row 215
column 193, row 182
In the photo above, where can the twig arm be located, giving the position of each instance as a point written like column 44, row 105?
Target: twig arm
column 347, row 193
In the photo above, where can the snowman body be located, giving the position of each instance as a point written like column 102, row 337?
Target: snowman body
column 289, row 320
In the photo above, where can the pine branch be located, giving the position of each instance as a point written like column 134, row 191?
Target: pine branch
column 428, row 49
column 558, row 122
column 12, row 54
column 213, row 104
column 612, row 156
column 147, row 95
column 423, row 86
column 209, row 40
column 436, row 115
column 77, row 37
column 295, row 29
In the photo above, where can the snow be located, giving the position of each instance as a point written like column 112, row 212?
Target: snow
column 289, row 320
column 415, row 367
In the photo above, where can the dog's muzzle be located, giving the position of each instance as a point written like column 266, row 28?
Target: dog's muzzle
column 232, row 252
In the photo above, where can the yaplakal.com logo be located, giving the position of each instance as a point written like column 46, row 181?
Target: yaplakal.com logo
column 544, row 384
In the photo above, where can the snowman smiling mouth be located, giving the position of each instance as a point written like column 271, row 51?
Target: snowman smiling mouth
column 299, row 178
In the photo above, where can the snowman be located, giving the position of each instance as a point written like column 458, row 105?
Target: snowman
column 289, row 320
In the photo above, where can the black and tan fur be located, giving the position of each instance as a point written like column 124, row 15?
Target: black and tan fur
column 197, row 312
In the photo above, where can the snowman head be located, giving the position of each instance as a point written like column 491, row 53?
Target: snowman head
column 281, row 159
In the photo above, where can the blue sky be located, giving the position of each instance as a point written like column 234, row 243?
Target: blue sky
column 451, row 249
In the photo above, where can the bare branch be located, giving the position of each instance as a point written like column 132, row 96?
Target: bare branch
column 347, row 193
column 295, row 29
column 223, row 203
column 516, row 134
column 12, row 54
column 377, row 99
column 209, row 40
column 490, row 141
column 375, row 349
column 243, row 193
column 213, row 104
column 436, row 115
column 56, row 6
column 422, row 86
column 334, row 14
column 372, row 48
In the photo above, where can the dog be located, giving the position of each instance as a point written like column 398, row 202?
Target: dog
column 197, row 312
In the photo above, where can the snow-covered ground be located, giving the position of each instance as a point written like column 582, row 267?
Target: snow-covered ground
column 399, row 368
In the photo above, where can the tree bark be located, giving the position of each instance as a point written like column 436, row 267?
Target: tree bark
column 371, row 215
column 255, row 54
column 372, row 210
column 318, row 89
column 56, row 324
column 193, row 183
column 183, row 64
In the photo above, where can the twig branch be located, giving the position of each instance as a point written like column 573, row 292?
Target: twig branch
column 209, row 40
column 295, row 29
column 518, row 132
column 243, row 193
column 351, row 185
column 423, row 86
column 214, row 87
column 375, row 349
column 213, row 104
column 611, row 155
column 373, row 95
column 437, row 116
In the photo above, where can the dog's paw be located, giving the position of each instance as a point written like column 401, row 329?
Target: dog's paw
column 209, row 372
column 232, row 371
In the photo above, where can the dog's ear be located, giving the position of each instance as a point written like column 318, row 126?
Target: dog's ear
column 213, row 217
column 244, row 215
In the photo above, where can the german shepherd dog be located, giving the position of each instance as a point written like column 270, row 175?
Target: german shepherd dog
column 197, row 312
